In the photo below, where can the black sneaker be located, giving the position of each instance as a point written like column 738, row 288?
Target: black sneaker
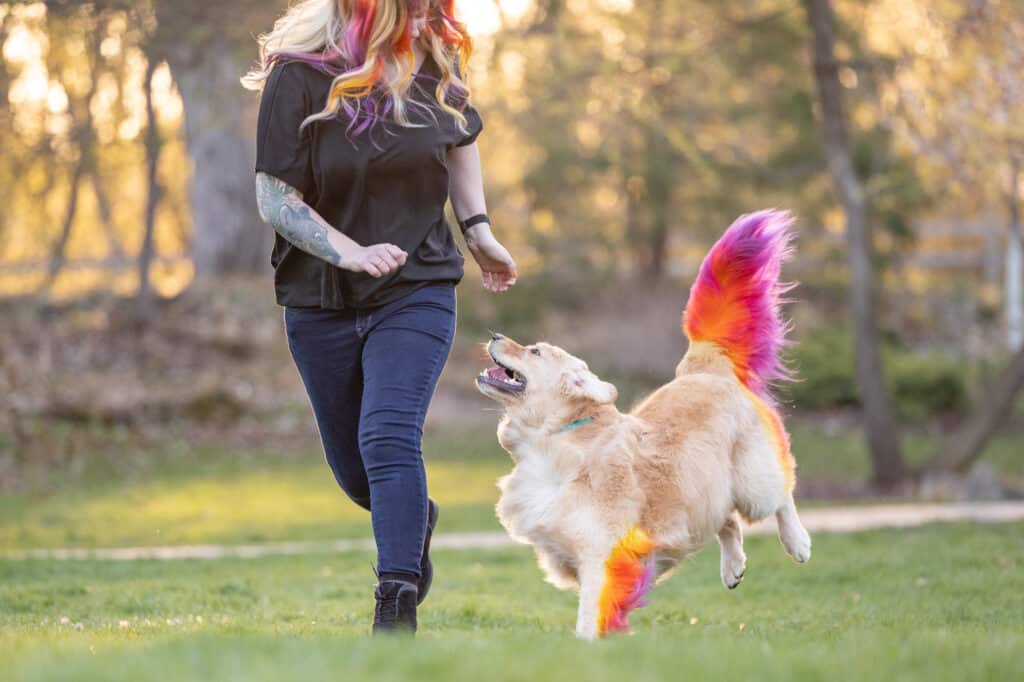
column 426, row 566
column 396, row 607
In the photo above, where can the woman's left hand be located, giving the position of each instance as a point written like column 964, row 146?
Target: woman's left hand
column 496, row 264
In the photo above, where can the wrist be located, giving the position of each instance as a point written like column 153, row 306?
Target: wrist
column 348, row 253
column 477, row 233
column 472, row 222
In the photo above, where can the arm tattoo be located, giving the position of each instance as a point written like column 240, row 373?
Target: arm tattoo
column 281, row 206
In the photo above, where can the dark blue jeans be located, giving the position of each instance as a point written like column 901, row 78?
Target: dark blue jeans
column 370, row 375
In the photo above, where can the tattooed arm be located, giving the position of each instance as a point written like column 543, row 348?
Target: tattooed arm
column 281, row 206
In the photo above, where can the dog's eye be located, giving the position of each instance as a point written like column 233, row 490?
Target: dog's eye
column 535, row 351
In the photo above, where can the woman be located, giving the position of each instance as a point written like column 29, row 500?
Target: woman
column 364, row 129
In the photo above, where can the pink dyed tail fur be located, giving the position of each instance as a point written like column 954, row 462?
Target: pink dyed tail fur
column 736, row 298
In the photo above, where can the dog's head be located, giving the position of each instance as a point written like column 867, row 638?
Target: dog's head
column 542, row 375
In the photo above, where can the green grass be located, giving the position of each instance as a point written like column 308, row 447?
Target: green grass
column 842, row 454
column 182, row 495
column 935, row 603
column 185, row 496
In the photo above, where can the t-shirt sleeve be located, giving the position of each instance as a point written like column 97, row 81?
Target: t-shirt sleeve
column 474, row 126
column 281, row 150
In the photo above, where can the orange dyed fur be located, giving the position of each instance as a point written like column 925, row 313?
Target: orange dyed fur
column 778, row 435
column 628, row 576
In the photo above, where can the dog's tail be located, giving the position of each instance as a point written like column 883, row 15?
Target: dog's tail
column 628, row 577
column 735, row 302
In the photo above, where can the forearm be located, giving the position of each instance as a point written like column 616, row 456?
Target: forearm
column 466, row 187
column 282, row 207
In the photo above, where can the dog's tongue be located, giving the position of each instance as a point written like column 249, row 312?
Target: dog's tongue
column 497, row 373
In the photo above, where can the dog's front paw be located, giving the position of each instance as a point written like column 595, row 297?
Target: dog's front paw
column 734, row 565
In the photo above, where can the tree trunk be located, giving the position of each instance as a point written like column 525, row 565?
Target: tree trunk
column 227, row 233
column 84, row 135
column 659, row 194
column 658, row 168
column 152, row 142
column 1014, row 275
column 888, row 466
column 58, row 254
column 106, row 215
column 992, row 259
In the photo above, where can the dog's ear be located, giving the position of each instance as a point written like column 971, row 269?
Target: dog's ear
column 583, row 383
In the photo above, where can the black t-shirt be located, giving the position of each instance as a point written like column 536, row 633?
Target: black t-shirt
column 386, row 184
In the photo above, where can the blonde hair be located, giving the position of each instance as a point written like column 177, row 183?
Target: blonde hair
column 366, row 45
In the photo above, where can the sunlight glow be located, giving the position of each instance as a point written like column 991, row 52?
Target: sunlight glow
column 23, row 45
column 483, row 16
column 56, row 98
column 617, row 5
column 31, row 87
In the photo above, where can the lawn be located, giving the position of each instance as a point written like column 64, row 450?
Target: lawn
column 178, row 494
column 934, row 603
column 183, row 495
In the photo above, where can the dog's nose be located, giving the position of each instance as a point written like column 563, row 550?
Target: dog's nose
column 497, row 337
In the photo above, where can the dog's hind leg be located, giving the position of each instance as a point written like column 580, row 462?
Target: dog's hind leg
column 734, row 561
column 792, row 533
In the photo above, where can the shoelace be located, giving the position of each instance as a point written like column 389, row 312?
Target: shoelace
column 387, row 609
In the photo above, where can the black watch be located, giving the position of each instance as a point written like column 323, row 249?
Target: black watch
column 475, row 220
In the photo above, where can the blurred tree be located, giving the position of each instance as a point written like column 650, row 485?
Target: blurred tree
column 888, row 466
column 208, row 47
column 957, row 96
column 612, row 128
column 83, row 133
column 19, row 150
column 153, row 188
column 640, row 129
column 967, row 443
column 6, row 21
column 955, row 93
column 69, row 78
column 645, row 127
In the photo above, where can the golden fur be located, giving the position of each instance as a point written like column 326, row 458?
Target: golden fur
column 680, row 465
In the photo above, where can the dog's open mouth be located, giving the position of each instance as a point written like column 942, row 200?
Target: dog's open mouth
column 503, row 379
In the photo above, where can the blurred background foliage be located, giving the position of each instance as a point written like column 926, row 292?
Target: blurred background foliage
column 622, row 136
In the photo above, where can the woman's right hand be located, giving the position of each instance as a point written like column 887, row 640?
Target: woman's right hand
column 375, row 260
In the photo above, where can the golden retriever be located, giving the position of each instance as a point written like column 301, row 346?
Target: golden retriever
column 611, row 501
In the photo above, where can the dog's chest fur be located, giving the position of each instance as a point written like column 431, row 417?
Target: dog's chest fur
column 539, row 500
column 564, row 502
